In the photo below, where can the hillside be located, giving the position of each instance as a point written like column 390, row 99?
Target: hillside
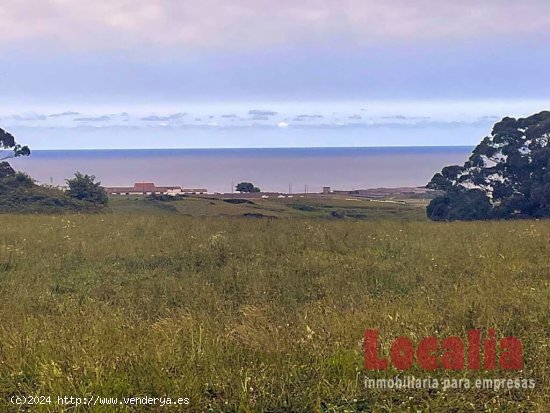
column 20, row 194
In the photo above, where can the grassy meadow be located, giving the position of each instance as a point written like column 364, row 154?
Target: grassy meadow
column 261, row 315
column 295, row 207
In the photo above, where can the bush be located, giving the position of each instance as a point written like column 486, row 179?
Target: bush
column 84, row 188
column 238, row 201
column 304, row 207
column 6, row 170
column 37, row 199
column 20, row 194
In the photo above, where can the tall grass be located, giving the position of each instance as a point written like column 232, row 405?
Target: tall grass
column 261, row 315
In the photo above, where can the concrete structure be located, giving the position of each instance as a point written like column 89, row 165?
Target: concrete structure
column 193, row 191
column 149, row 188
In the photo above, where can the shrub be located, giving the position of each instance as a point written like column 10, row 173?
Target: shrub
column 84, row 188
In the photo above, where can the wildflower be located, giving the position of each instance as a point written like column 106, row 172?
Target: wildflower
column 310, row 333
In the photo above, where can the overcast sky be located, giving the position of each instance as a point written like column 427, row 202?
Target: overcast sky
column 169, row 73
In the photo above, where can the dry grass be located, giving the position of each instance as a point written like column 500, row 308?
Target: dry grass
column 261, row 315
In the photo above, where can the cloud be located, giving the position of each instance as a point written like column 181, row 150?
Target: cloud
column 103, row 118
column 395, row 117
column 165, row 118
column 355, row 117
column 29, row 117
column 119, row 24
column 282, row 125
column 231, row 116
column 377, row 124
column 61, row 114
column 405, row 118
column 488, row 118
column 256, row 112
column 121, row 115
column 301, row 118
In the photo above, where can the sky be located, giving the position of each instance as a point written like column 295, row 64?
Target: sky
column 212, row 73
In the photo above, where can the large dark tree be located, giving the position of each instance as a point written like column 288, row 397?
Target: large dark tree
column 9, row 148
column 506, row 176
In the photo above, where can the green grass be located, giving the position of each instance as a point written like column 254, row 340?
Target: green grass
column 308, row 207
column 261, row 315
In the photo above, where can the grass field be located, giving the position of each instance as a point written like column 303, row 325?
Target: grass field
column 296, row 207
column 251, row 315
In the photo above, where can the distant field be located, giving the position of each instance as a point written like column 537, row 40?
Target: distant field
column 312, row 207
column 252, row 315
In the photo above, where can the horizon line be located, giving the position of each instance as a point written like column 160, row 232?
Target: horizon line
column 254, row 148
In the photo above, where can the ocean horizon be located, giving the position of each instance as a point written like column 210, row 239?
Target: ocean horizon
column 272, row 169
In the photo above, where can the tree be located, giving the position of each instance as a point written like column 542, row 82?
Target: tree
column 247, row 187
column 506, row 176
column 466, row 205
column 83, row 187
column 6, row 170
column 9, row 148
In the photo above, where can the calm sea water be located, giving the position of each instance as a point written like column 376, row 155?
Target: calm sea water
column 270, row 169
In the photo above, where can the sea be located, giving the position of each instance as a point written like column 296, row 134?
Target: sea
column 285, row 170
